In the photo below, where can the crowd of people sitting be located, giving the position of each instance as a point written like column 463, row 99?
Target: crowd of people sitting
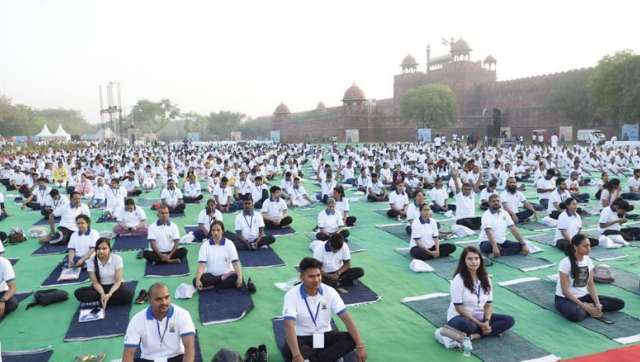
column 70, row 187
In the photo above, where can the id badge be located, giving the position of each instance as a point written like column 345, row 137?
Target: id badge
column 318, row 340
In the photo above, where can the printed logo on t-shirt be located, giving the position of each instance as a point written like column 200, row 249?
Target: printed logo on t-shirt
column 582, row 278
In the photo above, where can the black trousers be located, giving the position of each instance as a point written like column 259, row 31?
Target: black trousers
column 10, row 305
column 134, row 193
column 436, row 208
column 178, row 209
column 574, row 313
column 350, row 221
column 325, row 236
column 336, row 345
column 345, row 278
column 393, row 213
column 419, row 253
column 563, row 244
column 62, row 236
column 377, row 198
column 155, row 258
column 628, row 234
column 266, row 240
column 473, row 223
column 284, row 222
column 89, row 294
column 524, row 215
column 192, row 200
column 209, row 280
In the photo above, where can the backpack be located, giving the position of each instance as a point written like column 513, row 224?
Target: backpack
column 16, row 235
column 48, row 296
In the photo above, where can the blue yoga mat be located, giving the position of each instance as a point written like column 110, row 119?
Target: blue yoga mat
column 46, row 221
column 50, row 249
column 190, row 228
column 36, row 355
column 224, row 305
column 358, row 293
column 280, row 232
column 167, row 270
column 262, row 257
column 278, row 331
column 114, row 324
column 20, row 296
column 52, row 279
column 130, row 242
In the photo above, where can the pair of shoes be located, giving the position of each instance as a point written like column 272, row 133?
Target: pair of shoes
column 452, row 333
column 251, row 287
column 143, row 297
column 254, row 354
column 139, row 255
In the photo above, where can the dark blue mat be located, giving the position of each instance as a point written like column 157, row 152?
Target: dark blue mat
column 280, row 232
column 167, row 270
column 46, row 221
column 20, row 296
column 262, row 257
column 278, row 330
column 50, row 249
column 358, row 293
column 224, row 305
column 52, row 279
column 114, row 324
column 130, row 242
column 13, row 261
column 190, row 228
column 36, row 355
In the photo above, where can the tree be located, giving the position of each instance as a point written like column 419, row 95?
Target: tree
column 432, row 105
column 223, row 123
column 153, row 116
column 615, row 86
column 572, row 97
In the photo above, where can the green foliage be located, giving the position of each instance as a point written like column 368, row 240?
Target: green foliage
column 153, row 116
column 21, row 120
column 222, row 123
column 432, row 105
column 615, row 87
column 572, row 96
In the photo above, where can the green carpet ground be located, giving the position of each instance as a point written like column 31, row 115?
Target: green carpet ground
column 391, row 331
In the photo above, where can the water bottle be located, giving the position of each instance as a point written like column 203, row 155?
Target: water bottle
column 466, row 346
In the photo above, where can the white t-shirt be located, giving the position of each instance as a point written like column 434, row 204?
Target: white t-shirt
column 274, row 208
column 512, row 201
column 398, row 201
column 577, row 287
column 108, row 269
column 558, row 197
column 7, row 273
column 142, row 332
column 571, row 224
column 343, row 205
column 69, row 213
column 607, row 215
column 472, row 302
column 223, row 194
column 132, row 219
column 498, row 223
column 327, row 302
column 331, row 262
column 633, row 183
column 438, row 195
column 164, row 235
column 250, row 225
column 171, row 197
column 206, row 220
column 330, row 223
column 83, row 243
column 218, row 259
column 425, row 231
column 465, row 205
column 543, row 183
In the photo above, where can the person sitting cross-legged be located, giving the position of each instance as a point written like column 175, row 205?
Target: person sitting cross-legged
column 425, row 242
column 206, row 217
column 163, row 238
column 218, row 262
column 398, row 202
column 249, row 227
column 131, row 219
column 335, row 256
column 330, row 222
column 274, row 210
column 493, row 239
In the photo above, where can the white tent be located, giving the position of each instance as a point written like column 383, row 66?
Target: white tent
column 61, row 133
column 45, row 133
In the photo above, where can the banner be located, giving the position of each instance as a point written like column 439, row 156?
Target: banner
column 275, row 136
column 352, row 135
column 424, row 134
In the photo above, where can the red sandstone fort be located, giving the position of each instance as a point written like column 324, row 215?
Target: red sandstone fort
column 522, row 102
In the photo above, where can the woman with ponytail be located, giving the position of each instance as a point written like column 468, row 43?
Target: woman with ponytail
column 576, row 294
column 106, row 274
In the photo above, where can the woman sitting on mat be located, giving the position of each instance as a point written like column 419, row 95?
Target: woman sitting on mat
column 106, row 273
column 81, row 243
column 207, row 216
column 576, row 294
column 569, row 224
column 342, row 205
column 413, row 211
column 425, row 243
column 330, row 222
column 218, row 262
column 471, row 307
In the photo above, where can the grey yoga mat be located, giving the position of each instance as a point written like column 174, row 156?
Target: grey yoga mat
column 433, row 308
column 626, row 328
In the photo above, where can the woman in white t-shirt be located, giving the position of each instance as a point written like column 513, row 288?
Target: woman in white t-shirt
column 471, row 307
column 106, row 274
column 569, row 224
column 576, row 294
column 342, row 205
column 81, row 243
column 218, row 262
column 425, row 240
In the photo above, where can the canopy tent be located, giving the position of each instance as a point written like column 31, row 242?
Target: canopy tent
column 61, row 133
column 45, row 133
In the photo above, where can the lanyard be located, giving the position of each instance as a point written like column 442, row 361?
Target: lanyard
column 166, row 325
column 314, row 318
column 250, row 222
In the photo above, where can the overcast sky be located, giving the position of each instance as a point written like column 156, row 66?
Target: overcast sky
column 247, row 56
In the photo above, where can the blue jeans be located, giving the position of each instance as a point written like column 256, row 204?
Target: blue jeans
column 574, row 313
column 507, row 248
column 499, row 323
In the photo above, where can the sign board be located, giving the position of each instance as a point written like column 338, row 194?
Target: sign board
column 235, row 136
column 630, row 132
column 565, row 134
column 275, row 136
column 424, row 134
column 352, row 135
column 193, row 136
